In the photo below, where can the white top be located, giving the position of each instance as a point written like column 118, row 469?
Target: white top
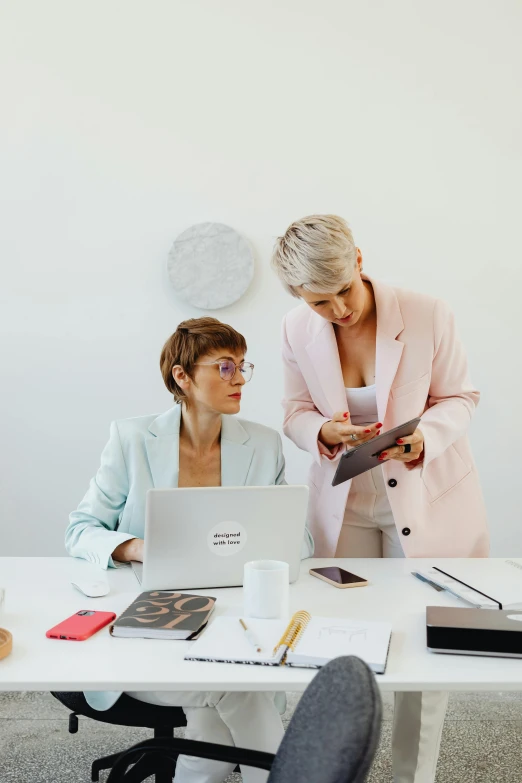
column 362, row 404
column 105, row 663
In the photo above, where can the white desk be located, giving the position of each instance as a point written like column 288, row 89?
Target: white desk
column 39, row 595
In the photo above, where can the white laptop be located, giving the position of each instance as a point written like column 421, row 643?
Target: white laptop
column 202, row 537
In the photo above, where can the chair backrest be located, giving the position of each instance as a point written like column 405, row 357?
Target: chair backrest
column 334, row 732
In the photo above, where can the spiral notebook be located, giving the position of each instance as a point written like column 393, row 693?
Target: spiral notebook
column 306, row 641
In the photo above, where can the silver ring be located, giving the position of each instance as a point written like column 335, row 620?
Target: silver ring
column 353, row 436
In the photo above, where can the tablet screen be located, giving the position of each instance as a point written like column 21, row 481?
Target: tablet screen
column 366, row 456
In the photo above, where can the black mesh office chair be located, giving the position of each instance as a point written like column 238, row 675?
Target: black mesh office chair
column 130, row 712
column 332, row 737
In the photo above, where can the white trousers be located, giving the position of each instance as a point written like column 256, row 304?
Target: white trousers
column 369, row 531
column 247, row 720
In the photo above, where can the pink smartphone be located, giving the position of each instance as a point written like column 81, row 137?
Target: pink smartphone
column 81, row 625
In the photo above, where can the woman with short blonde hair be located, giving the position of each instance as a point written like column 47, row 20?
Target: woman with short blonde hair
column 315, row 254
column 360, row 355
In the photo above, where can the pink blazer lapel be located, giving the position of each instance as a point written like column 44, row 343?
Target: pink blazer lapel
column 388, row 348
column 324, row 355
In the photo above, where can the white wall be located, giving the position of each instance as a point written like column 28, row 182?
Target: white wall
column 126, row 121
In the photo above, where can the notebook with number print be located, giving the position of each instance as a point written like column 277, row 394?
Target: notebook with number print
column 164, row 614
column 306, row 641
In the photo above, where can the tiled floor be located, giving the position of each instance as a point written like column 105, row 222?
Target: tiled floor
column 481, row 743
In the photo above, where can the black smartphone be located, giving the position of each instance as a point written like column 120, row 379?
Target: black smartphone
column 338, row 577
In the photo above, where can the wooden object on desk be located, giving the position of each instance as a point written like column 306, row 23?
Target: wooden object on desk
column 6, row 643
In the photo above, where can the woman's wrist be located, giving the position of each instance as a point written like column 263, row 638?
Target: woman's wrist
column 325, row 435
column 129, row 550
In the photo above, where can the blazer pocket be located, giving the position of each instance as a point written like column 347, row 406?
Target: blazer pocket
column 444, row 473
column 412, row 386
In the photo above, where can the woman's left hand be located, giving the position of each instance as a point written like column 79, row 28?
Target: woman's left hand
column 411, row 458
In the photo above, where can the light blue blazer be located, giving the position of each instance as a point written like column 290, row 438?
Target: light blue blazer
column 142, row 454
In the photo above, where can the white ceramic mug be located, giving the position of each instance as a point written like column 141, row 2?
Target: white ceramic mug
column 265, row 589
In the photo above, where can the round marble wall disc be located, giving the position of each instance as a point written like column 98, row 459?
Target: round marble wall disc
column 210, row 265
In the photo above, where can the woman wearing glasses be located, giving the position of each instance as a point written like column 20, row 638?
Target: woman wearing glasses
column 197, row 443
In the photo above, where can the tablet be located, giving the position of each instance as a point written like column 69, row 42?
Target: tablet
column 366, row 456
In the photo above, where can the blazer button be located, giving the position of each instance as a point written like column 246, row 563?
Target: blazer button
column 392, row 483
column 406, row 531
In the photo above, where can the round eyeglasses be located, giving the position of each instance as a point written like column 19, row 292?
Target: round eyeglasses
column 227, row 369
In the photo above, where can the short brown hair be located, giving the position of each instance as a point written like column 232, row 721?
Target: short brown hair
column 191, row 340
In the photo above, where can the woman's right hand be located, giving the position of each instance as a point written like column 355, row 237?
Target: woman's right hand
column 340, row 430
column 129, row 550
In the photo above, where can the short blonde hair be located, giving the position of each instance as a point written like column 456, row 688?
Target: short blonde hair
column 316, row 253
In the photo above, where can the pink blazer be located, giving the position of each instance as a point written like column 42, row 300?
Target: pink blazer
column 421, row 370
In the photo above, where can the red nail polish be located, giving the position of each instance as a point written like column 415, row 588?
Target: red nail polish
column 400, row 440
column 384, row 454
column 345, row 415
column 367, row 430
column 378, row 425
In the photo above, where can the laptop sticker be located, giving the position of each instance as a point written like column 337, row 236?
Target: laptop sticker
column 226, row 538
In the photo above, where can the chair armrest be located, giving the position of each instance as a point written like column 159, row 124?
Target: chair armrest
column 173, row 747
